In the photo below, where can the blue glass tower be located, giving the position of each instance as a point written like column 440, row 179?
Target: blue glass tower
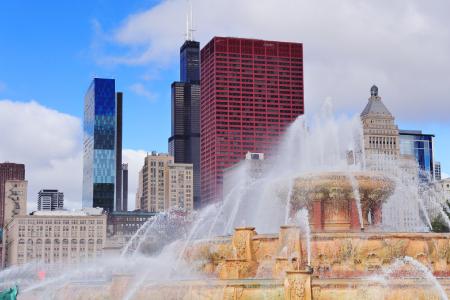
column 100, row 134
column 419, row 145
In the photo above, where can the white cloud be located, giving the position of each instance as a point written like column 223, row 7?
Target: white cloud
column 140, row 90
column 49, row 143
column 135, row 160
column 445, row 175
column 348, row 45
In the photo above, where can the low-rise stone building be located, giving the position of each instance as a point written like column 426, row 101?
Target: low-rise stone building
column 56, row 237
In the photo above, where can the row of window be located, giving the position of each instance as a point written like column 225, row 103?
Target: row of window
column 56, row 221
column 57, row 241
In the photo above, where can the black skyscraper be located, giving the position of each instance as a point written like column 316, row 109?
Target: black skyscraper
column 119, row 105
column 184, row 144
column 124, row 187
column 190, row 62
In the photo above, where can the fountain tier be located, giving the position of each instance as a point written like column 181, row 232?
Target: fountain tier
column 340, row 201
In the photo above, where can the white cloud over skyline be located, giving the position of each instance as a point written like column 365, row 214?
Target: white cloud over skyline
column 49, row 143
column 348, row 46
column 140, row 90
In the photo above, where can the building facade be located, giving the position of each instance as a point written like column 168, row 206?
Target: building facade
column 56, row 237
column 181, row 186
column 15, row 199
column 102, row 144
column 8, row 171
column 445, row 184
column 437, row 171
column 381, row 134
column 124, row 188
column 139, row 192
column 50, row 200
column 184, row 142
column 420, row 146
column 164, row 184
column 126, row 223
column 251, row 90
column 15, row 205
column 155, row 182
column 122, row 226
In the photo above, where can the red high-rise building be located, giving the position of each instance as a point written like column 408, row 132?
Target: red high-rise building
column 251, row 90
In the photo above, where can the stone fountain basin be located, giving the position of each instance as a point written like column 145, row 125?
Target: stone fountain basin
column 249, row 289
column 333, row 254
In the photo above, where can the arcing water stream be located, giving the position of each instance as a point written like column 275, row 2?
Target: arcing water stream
column 154, row 253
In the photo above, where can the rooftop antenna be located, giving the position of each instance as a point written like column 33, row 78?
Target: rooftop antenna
column 189, row 29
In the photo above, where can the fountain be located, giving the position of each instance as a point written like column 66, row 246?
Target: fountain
column 321, row 229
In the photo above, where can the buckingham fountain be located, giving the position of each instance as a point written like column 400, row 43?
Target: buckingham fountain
column 328, row 250
column 314, row 225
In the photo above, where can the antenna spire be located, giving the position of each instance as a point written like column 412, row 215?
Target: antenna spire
column 189, row 29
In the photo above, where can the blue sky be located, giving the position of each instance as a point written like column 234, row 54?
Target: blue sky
column 49, row 57
column 50, row 51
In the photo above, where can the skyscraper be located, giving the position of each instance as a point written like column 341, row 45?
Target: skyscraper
column 251, row 90
column 119, row 179
column 190, row 62
column 184, row 143
column 140, row 190
column 102, row 144
column 124, row 191
column 50, row 200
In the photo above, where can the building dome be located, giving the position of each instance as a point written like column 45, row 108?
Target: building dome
column 375, row 106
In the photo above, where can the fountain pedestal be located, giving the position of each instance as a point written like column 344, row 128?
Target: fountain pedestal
column 280, row 267
column 243, row 263
column 354, row 216
column 236, row 269
column 297, row 285
column 317, row 215
column 289, row 241
column 242, row 243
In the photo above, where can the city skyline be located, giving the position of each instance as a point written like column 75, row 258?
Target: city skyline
column 147, row 81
